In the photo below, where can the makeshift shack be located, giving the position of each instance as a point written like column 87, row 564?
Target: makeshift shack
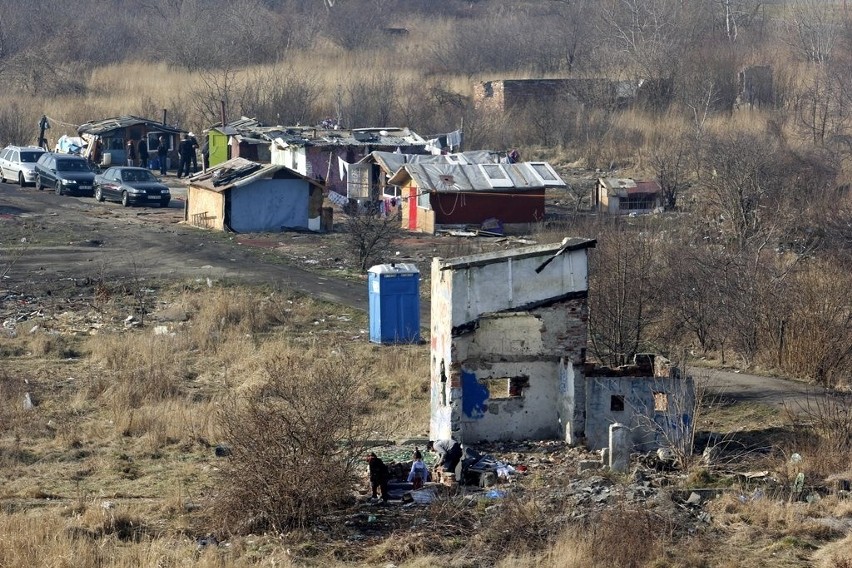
column 244, row 196
column 436, row 195
column 113, row 134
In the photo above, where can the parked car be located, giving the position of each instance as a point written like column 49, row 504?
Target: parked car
column 131, row 186
column 64, row 173
column 17, row 163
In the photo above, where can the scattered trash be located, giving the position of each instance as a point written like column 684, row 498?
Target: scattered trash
column 795, row 458
column 799, row 484
column 495, row 494
column 423, row 496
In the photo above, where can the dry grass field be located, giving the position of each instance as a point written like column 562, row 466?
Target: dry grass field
column 120, row 405
column 114, row 464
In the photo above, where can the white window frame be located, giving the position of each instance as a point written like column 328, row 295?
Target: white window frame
column 496, row 182
column 556, row 181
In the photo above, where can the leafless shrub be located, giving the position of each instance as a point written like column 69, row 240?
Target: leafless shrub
column 823, row 434
column 621, row 536
column 523, row 524
column 371, row 235
column 294, row 444
column 17, row 127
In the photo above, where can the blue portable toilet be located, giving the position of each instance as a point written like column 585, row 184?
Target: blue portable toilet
column 394, row 292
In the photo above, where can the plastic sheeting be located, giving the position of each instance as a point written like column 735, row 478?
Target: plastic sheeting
column 269, row 205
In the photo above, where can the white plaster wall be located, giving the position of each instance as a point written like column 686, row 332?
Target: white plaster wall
column 571, row 402
column 503, row 285
column 648, row 429
column 293, row 157
column 515, row 334
column 545, row 344
column 530, row 416
column 443, row 396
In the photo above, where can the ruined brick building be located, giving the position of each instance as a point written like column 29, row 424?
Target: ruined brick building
column 508, row 356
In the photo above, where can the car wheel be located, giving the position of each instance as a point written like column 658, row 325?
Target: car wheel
column 99, row 195
column 125, row 199
column 21, row 181
column 38, row 185
column 58, row 187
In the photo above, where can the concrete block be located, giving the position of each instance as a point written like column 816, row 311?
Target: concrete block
column 619, row 447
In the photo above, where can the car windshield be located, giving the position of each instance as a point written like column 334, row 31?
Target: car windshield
column 72, row 166
column 30, row 156
column 137, row 175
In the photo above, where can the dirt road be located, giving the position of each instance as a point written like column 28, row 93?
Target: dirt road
column 67, row 239
column 55, row 239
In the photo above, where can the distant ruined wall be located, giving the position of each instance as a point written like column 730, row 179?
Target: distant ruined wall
column 755, row 86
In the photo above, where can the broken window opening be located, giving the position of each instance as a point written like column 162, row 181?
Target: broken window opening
column 443, row 384
column 661, row 402
column 616, row 403
column 506, row 387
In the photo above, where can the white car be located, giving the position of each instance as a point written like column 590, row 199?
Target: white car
column 17, row 163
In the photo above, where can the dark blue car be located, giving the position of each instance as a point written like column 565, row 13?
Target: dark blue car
column 64, row 173
column 131, row 186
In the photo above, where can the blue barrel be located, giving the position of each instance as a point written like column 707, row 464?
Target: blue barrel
column 394, row 292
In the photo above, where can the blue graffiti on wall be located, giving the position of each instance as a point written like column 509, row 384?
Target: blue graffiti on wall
column 474, row 395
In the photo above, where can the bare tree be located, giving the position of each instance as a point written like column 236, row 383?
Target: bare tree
column 371, row 235
column 669, row 158
column 280, row 95
column 813, row 29
column 215, row 89
column 622, row 276
column 744, row 182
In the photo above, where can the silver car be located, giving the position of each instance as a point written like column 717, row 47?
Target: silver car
column 17, row 163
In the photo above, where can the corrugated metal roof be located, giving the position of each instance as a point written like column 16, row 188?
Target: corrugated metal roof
column 647, row 187
column 483, row 259
column 239, row 172
column 316, row 136
column 627, row 186
column 120, row 122
column 450, row 178
column 391, row 161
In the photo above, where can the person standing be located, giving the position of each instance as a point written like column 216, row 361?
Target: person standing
column 185, row 152
column 131, row 153
column 379, row 476
column 143, row 153
column 193, row 157
column 96, row 153
column 162, row 154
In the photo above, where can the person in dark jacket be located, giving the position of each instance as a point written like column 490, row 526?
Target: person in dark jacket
column 379, row 476
column 187, row 154
column 163, row 154
column 143, row 153
column 193, row 156
column 131, row 153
